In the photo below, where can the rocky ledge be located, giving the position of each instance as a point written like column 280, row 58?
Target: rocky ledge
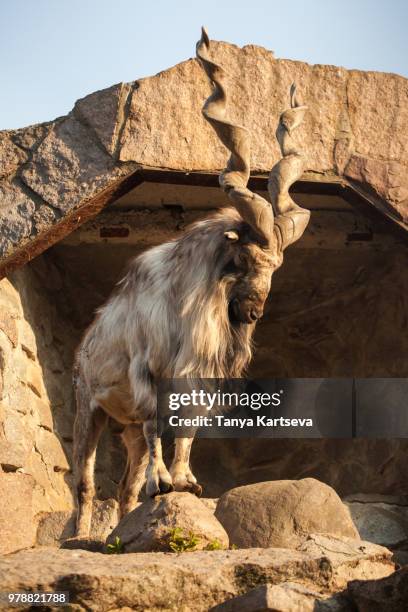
column 318, row 570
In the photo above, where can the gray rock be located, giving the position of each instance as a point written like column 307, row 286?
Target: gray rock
column 69, row 166
column 16, row 217
column 282, row 513
column 11, row 156
column 377, row 498
column 103, row 111
column 56, row 527
column 191, row 581
column 389, row 594
column 84, row 543
column 148, row 527
column 29, row 138
column 105, row 517
column 381, row 523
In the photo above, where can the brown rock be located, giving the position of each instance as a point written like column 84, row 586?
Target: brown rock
column 258, row 92
column 22, row 398
column 42, row 412
column 379, row 132
column 16, row 440
column 51, row 451
column 9, row 298
column 148, row 527
column 196, row 580
column 17, row 526
column 36, row 467
column 8, row 326
column 282, row 513
column 27, row 339
column 350, row 111
column 33, row 378
column 2, row 360
column 387, row 179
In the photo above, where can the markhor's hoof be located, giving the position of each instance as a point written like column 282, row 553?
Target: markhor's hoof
column 160, row 489
column 165, row 487
column 196, row 489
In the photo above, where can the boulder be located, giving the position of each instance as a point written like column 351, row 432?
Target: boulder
column 282, row 513
column 149, row 526
column 191, row 581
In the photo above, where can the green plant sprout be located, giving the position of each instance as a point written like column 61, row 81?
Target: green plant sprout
column 179, row 542
column 116, row 548
column 214, row 545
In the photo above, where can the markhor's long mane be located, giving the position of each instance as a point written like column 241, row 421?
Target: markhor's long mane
column 181, row 295
column 212, row 346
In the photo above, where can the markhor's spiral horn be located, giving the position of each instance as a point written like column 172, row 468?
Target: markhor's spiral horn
column 253, row 208
column 291, row 220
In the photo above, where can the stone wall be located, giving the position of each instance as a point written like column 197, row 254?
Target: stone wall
column 35, row 407
column 337, row 308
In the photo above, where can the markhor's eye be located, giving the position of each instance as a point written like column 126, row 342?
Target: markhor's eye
column 230, row 268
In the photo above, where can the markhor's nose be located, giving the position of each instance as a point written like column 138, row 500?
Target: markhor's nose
column 255, row 314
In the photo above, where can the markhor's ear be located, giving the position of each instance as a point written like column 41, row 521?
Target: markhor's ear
column 231, row 235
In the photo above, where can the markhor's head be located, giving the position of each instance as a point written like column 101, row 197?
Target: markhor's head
column 228, row 258
column 247, row 272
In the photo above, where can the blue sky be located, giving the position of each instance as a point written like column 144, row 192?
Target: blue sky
column 55, row 51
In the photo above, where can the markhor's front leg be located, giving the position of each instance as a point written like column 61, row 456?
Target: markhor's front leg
column 183, row 477
column 158, row 479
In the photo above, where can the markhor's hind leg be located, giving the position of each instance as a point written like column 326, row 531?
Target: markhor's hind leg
column 89, row 423
column 135, row 473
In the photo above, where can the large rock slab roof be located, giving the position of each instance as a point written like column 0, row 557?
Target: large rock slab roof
column 53, row 176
